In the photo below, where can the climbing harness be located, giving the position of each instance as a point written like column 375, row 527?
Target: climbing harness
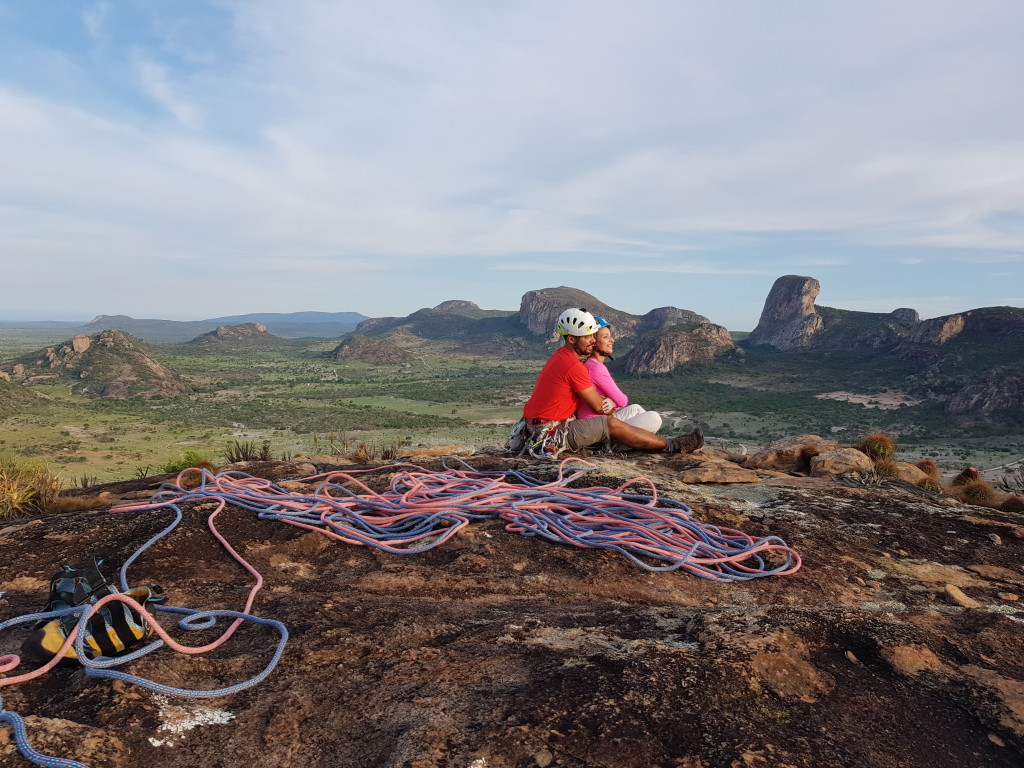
column 537, row 438
column 540, row 438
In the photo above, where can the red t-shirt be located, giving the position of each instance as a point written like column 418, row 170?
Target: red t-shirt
column 554, row 395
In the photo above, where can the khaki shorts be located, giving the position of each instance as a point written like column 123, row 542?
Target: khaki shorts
column 583, row 433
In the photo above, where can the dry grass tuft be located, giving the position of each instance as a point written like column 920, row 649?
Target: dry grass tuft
column 26, row 488
column 886, row 468
column 78, row 503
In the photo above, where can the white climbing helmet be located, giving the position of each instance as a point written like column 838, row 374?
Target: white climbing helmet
column 576, row 322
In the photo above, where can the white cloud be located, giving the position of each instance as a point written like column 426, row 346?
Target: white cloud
column 153, row 77
column 626, row 268
column 347, row 136
column 95, row 17
column 991, row 258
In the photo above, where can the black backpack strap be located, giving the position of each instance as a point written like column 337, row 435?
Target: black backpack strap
column 76, row 586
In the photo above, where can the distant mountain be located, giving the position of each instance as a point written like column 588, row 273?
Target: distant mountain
column 109, row 365
column 245, row 336
column 290, row 318
column 791, row 321
column 294, row 325
column 539, row 311
column 463, row 328
column 670, row 347
column 23, row 324
column 369, row 350
column 973, row 361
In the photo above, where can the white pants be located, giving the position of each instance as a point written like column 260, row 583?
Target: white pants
column 636, row 416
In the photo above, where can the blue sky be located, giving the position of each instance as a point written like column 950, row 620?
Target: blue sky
column 195, row 159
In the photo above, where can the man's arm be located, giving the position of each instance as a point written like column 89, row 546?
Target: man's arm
column 606, row 385
column 593, row 399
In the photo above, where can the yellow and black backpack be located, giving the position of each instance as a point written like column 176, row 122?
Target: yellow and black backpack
column 113, row 630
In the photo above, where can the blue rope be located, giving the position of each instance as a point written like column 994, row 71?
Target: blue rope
column 657, row 535
column 17, row 726
column 100, row 666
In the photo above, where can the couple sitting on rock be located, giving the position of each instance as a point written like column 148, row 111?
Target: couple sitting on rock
column 577, row 405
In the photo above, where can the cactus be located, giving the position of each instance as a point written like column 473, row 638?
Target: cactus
column 878, row 445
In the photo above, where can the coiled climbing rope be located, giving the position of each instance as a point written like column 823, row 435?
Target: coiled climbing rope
column 419, row 510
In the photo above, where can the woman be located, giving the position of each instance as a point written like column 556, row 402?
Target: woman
column 616, row 402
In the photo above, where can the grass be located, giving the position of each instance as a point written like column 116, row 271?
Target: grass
column 26, row 487
column 287, row 394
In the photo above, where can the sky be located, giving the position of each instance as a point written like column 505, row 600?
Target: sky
column 201, row 158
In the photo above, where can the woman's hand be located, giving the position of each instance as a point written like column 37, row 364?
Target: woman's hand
column 607, row 405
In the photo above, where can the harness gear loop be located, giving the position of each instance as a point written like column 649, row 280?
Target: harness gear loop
column 548, row 438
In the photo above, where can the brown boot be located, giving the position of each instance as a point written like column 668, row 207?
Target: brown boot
column 686, row 443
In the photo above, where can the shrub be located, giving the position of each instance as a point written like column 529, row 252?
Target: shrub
column 364, row 453
column 886, row 468
column 189, row 460
column 192, row 477
column 931, row 484
column 878, row 445
column 1014, row 504
column 26, row 488
column 390, row 452
column 1013, row 482
column 976, row 492
column 246, row 450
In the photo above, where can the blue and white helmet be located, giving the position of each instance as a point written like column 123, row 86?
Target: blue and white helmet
column 576, row 322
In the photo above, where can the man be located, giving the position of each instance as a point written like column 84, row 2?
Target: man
column 564, row 383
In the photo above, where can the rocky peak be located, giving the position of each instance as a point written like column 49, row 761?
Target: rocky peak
column 939, row 330
column 539, row 310
column 369, row 350
column 1000, row 389
column 663, row 317
column 662, row 351
column 245, row 334
column 109, row 364
column 448, row 306
column 789, row 320
column 374, row 322
column 906, row 315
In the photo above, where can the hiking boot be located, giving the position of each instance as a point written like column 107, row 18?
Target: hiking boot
column 686, row 443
